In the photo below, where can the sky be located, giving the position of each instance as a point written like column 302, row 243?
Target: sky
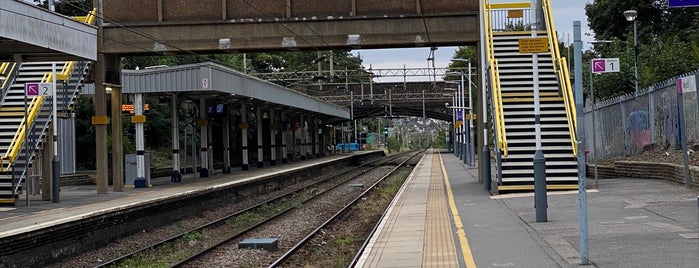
column 564, row 12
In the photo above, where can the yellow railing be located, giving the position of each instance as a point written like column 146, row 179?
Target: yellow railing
column 13, row 150
column 6, row 68
column 35, row 106
column 494, row 77
column 561, row 68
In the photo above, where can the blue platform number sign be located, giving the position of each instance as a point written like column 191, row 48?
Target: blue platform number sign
column 459, row 116
column 683, row 3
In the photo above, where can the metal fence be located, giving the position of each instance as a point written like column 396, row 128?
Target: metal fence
column 624, row 125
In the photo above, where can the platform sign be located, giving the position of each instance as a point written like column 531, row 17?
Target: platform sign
column 459, row 115
column 31, row 89
column 687, row 84
column 683, row 3
column 533, row 45
column 608, row 65
column 46, row 89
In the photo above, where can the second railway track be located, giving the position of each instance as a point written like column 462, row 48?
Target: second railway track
column 186, row 240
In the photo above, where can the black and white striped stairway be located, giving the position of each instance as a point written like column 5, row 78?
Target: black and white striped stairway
column 12, row 113
column 517, row 87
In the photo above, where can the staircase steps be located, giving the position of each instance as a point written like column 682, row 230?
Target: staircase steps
column 517, row 91
column 12, row 112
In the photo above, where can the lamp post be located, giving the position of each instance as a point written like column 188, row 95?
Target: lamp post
column 458, row 114
column 468, row 147
column 471, row 149
column 631, row 16
column 453, row 122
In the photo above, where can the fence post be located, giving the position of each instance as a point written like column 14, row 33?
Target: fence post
column 623, row 124
column 651, row 115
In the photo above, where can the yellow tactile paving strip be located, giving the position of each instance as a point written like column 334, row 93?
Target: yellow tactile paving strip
column 417, row 230
column 440, row 250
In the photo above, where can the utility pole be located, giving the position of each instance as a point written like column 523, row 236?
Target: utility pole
column 540, row 198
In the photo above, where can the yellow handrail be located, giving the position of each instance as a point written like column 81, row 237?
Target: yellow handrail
column 571, row 110
column 494, row 73
column 499, row 113
column 12, row 151
column 66, row 70
column 35, row 106
column 89, row 18
column 7, row 68
column 561, row 69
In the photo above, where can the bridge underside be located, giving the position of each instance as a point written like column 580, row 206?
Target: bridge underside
column 390, row 99
column 225, row 26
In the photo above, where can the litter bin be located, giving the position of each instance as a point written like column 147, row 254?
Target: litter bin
column 130, row 174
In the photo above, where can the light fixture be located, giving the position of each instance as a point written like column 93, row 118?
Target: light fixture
column 224, row 43
column 630, row 15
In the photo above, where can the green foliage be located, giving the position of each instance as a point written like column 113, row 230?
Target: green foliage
column 192, row 236
column 157, row 130
column 393, row 144
column 85, row 133
column 668, row 43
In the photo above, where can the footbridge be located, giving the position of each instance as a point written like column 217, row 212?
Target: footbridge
column 160, row 27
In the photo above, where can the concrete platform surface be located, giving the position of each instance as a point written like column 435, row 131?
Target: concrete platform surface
column 631, row 223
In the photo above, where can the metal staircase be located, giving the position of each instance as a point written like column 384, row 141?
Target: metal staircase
column 512, row 91
column 24, row 122
column 20, row 148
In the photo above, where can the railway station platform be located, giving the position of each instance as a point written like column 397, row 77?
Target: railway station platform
column 78, row 202
column 442, row 217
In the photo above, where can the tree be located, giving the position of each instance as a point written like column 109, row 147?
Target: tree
column 606, row 18
column 667, row 43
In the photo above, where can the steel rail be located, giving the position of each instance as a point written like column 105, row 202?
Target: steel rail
column 313, row 233
column 223, row 219
column 239, row 234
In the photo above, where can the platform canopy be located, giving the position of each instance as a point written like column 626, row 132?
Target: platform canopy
column 31, row 33
column 221, row 83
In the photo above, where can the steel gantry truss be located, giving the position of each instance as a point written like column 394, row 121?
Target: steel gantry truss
column 313, row 76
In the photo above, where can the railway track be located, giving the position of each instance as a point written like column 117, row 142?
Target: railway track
column 335, row 217
column 237, row 224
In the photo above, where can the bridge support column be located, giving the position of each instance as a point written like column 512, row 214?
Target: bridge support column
column 117, row 141
column 244, row 135
column 285, row 133
column 317, row 131
column 139, row 120
column 302, row 133
column 227, row 143
column 209, row 148
column 312, row 149
column 294, row 135
column 260, row 151
column 46, row 157
column 272, row 139
column 203, row 133
column 176, row 176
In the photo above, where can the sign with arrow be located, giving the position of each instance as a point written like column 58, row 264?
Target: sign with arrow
column 608, row 65
column 31, row 89
column 38, row 89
